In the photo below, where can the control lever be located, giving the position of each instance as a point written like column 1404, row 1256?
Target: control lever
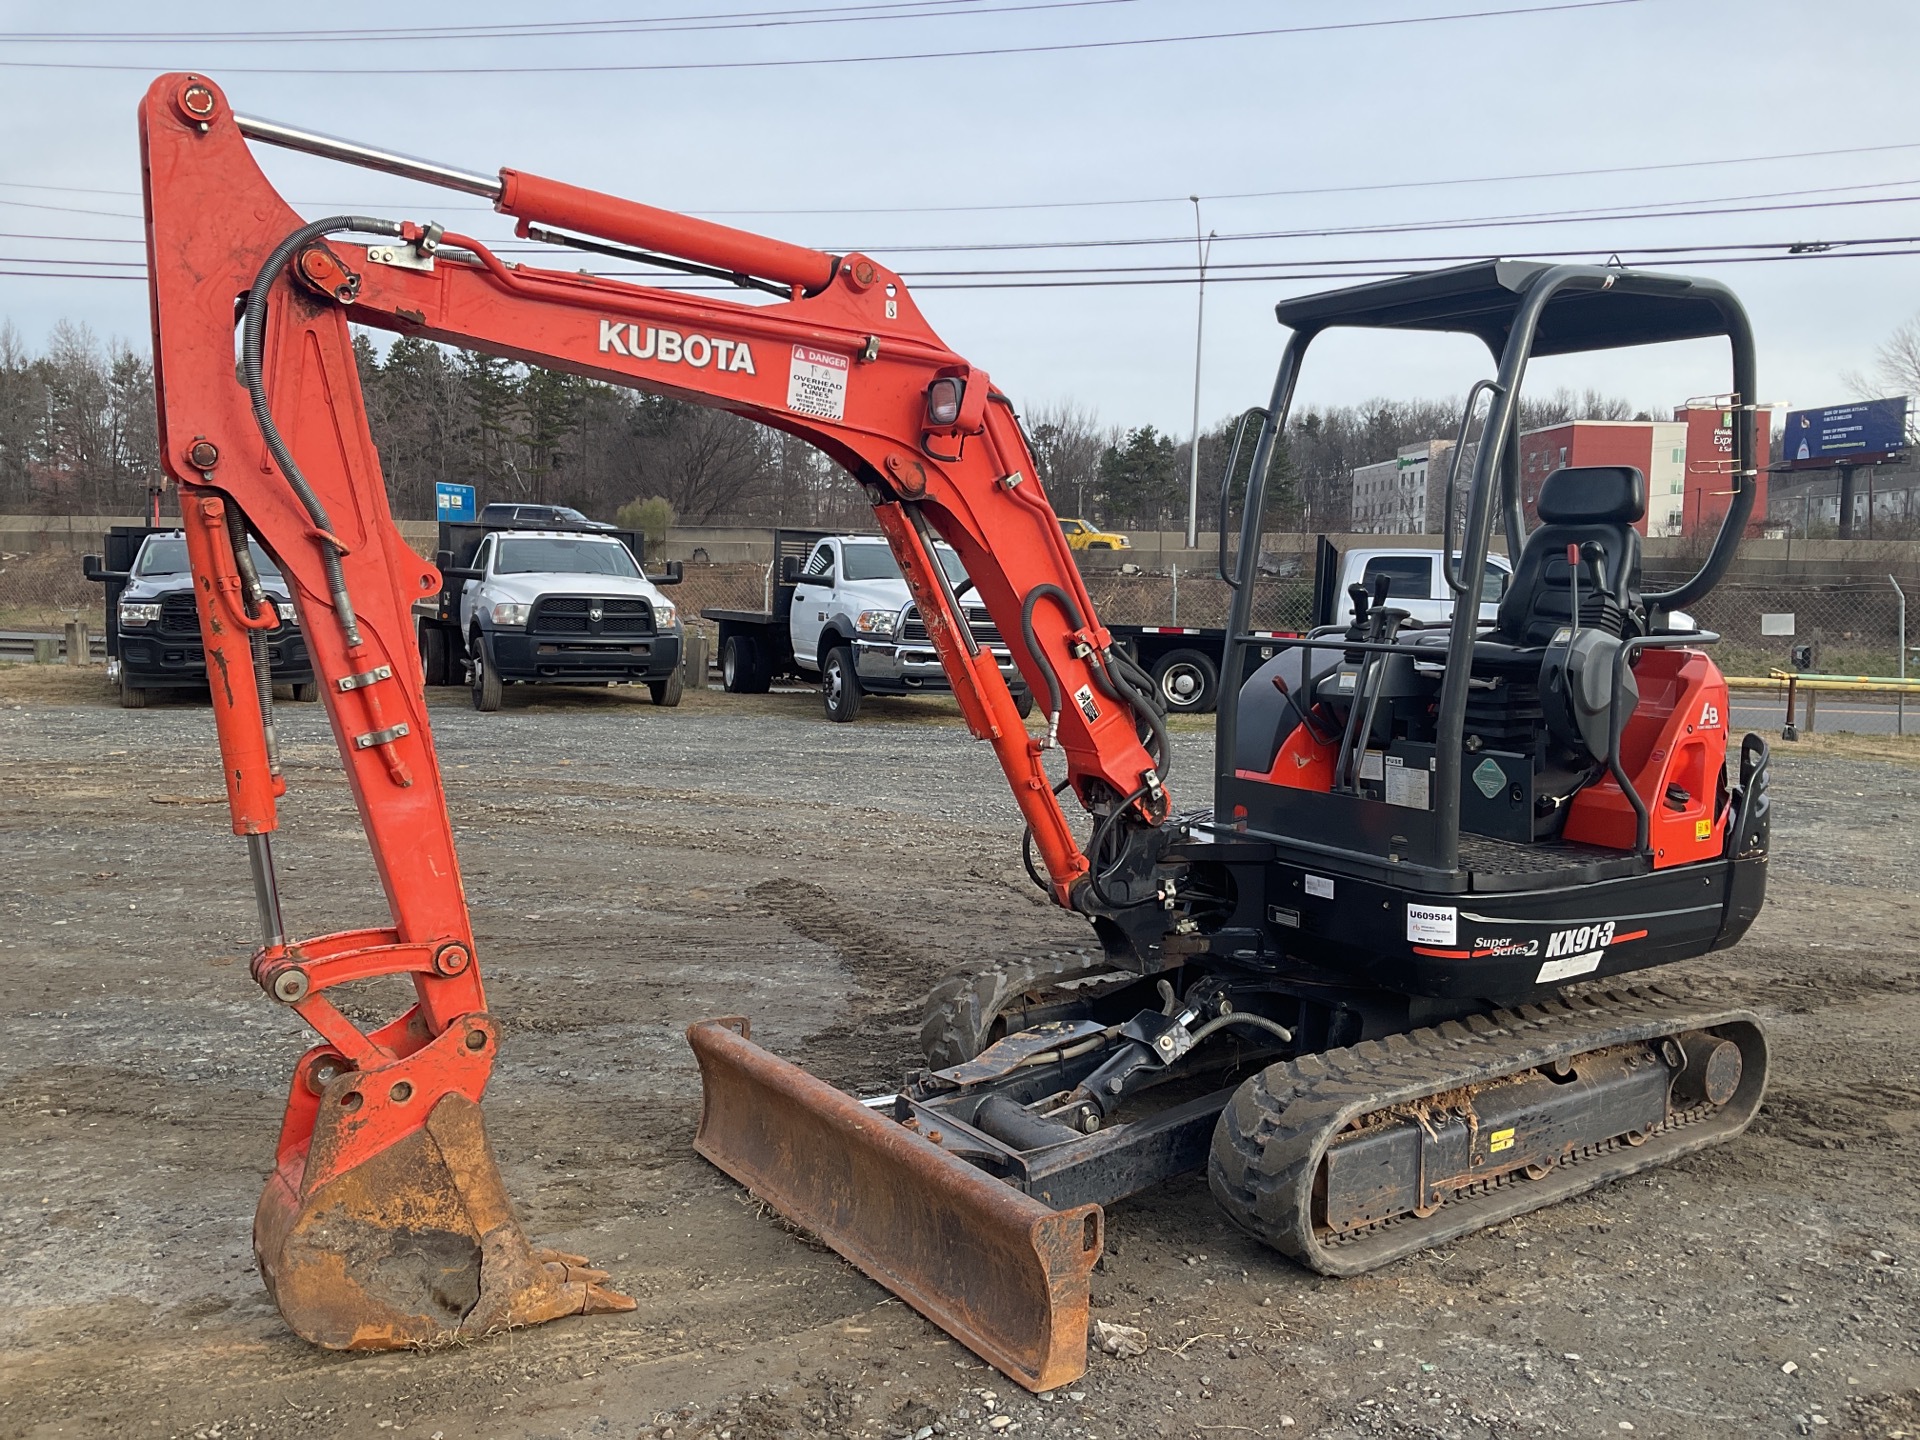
column 1593, row 555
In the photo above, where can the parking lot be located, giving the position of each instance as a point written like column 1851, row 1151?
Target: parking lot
column 632, row 869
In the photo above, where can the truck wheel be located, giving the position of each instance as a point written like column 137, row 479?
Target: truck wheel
column 308, row 693
column 743, row 668
column 282, row 692
column 1189, row 682
column 839, row 685
column 487, row 690
column 132, row 697
column 1023, row 702
column 436, row 656
column 668, row 691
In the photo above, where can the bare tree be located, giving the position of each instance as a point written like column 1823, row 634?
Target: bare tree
column 1068, row 440
column 1896, row 365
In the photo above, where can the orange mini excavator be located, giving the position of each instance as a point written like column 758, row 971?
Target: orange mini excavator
column 1338, row 990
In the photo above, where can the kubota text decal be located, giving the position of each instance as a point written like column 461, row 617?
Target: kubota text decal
column 650, row 342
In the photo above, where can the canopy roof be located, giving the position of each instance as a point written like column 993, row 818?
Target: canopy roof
column 1600, row 308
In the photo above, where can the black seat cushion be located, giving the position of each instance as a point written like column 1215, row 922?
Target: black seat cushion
column 1579, row 505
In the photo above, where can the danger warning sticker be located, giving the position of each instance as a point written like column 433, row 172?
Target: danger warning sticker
column 817, row 383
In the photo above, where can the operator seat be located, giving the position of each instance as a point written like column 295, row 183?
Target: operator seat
column 1581, row 505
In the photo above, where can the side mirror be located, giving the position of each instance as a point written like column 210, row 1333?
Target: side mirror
column 789, row 569
column 443, row 560
column 94, row 568
column 669, row 576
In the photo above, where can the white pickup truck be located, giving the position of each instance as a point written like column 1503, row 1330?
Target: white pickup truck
column 552, row 607
column 840, row 613
column 1415, row 584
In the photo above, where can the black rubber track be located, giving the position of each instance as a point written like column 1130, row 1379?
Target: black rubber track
column 957, row 1021
column 1268, row 1143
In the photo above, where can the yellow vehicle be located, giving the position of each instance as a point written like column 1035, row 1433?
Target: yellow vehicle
column 1082, row 536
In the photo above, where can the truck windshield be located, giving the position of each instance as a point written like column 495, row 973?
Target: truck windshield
column 876, row 562
column 167, row 555
column 523, row 555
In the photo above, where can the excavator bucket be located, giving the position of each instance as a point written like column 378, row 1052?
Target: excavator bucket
column 1002, row 1273
column 415, row 1245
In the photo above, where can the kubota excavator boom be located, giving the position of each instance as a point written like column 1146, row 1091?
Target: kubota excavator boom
column 385, row 1221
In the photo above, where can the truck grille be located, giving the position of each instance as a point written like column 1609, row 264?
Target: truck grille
column 180, row 617
column 179, row 614
column 985, row 632
column 584, row 615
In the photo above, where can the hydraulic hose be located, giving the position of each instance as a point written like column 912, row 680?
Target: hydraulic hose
column 1235, row 1017
column 1055, row 695
column 252, row 342
column 1026, row 847
column 1139, row 701
column 1096, row 875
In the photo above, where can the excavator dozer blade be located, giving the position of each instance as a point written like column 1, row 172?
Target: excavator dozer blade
column 415, row 1245
column 1000, row 1272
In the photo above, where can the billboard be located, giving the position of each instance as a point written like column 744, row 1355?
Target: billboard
column 454, row 502
column 1864, row 433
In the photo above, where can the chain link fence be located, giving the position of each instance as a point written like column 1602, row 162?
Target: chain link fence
column 1834, row 629
column 1831, row 630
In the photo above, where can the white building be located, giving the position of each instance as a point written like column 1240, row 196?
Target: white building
column 1405, row 495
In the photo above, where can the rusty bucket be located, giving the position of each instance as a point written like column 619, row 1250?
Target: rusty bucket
column 1000, row 1272
column 416, row 1244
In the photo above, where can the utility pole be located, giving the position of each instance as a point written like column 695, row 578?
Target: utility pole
column 1201, row 248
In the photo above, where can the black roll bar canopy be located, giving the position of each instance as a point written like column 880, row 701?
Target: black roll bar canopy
column 1518, row 309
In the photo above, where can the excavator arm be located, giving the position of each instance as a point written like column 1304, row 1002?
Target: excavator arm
column 385, row 1222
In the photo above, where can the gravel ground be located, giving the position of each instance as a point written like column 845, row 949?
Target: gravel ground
column 632, row 869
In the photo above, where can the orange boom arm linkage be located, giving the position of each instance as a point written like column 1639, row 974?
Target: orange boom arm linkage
column 845, row 361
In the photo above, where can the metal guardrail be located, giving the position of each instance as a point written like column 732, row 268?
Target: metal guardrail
column 1792, row 682
column 27, row 644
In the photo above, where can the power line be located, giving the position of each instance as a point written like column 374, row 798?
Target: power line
column 1702, row 262
column 794, row 62
column 1372, row 187
column 564, row 29
column 1340, row 189
column 1660, row 210
column 664, row 25
column 1498, row 222
column 80, row 239
column 1277, row 271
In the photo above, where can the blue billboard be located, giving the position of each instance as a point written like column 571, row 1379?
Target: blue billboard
column 1863, row 433
column 454, row 502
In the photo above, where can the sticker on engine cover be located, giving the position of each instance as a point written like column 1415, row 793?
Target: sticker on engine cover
column 1407, row 785
column 1488, row 778
column 1566, row 969
column 1373, row 764
column 1320, row 886
column 1432, row 924
column 817, row 383
column 1703, row 829
column 1089, row 707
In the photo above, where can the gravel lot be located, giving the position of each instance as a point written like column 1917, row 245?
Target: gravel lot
column 632, row 869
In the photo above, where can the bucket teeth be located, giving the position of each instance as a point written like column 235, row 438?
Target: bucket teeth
column 1002, row 1273
column 415, row 1245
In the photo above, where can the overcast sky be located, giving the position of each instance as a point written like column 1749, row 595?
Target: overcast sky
column 1042, row 144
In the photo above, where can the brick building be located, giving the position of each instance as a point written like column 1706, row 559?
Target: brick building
column 1656, row 448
